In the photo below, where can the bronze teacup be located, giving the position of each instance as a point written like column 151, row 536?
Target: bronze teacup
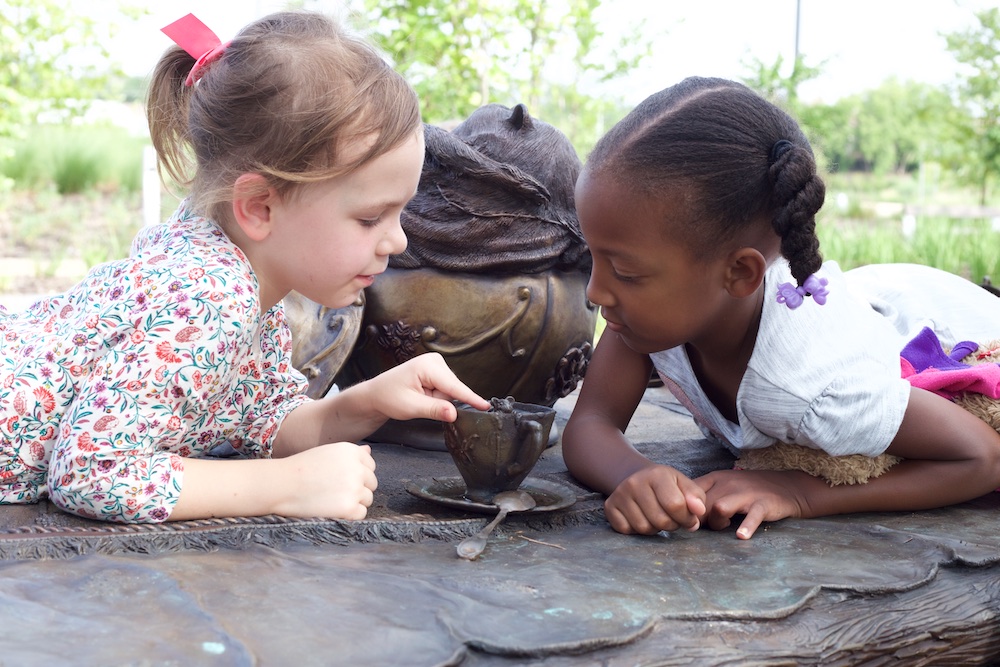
column 496, row 449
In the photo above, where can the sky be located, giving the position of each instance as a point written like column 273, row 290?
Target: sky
column 858, row 43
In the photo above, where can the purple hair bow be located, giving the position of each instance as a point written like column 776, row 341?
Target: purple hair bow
column 793, row 296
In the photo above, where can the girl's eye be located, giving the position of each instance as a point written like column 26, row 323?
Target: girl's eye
column 623, row 279
column 370, row 222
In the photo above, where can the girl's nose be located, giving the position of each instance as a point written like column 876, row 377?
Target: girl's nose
column 394, row 241
column 596, row 292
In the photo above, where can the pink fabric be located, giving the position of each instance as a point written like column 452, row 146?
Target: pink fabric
column 982, row 379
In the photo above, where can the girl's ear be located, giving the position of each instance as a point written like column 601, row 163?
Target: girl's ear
column 252, row 201
column 744, row 272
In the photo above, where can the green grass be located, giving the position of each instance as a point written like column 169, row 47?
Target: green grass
column 968, row 248
column 869, row 228
column 48, row 227
column 74, row 192
column 73, row 159
column 70, row 198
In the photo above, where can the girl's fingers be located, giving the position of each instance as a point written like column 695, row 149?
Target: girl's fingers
column 370, row 480
column 442, row 382
column 751, row 522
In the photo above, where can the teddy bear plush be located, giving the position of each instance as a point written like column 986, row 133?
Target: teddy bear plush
column 857, row 468
column 984, row 407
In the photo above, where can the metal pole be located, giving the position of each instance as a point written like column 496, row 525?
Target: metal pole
column 798, row 21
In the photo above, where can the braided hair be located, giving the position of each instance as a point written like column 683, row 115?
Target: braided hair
column 745, row 157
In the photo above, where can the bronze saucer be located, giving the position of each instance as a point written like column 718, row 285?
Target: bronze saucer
column 450, row 491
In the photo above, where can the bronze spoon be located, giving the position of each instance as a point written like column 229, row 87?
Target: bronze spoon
column 507, row 501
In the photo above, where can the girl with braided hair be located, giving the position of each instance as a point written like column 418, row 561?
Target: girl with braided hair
column 699, row 211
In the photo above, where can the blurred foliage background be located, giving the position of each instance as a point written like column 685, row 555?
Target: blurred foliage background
column 913, row 170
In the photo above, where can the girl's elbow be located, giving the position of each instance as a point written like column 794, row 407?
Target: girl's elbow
column 991, row 458
column 571, row 445
column 90, row 498
column 981, row 459
column 66, row 492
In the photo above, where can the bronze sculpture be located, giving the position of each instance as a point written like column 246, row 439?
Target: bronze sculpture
column 322, row 339
column 495, row 450
column 495, row 273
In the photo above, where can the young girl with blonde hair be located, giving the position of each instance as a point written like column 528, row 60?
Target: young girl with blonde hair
column 300, row 146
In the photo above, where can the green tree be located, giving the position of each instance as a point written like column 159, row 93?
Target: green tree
column 51, row 59
column 898, row 125
column 831, row 131
column 767, row 79
column 892, row 128
column 461, row 54
column 979, row 90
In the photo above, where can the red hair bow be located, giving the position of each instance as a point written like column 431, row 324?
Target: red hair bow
column 199, row 41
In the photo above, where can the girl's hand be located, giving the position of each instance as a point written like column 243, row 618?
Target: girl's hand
column 420, row 388
column 760, row 495
column 335, row 481
column 655, row 498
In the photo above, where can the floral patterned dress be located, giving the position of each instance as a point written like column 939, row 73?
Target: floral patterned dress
column 106, row 388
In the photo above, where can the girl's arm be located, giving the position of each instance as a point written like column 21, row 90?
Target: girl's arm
column 310, row 478
column 950, row 456
column 333, row 481
column 594, row 445
column 644, row 497
column 422, row 387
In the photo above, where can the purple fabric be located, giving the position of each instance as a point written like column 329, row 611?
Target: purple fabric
column 963, row 349
column 925, row 351
column 926, row 365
